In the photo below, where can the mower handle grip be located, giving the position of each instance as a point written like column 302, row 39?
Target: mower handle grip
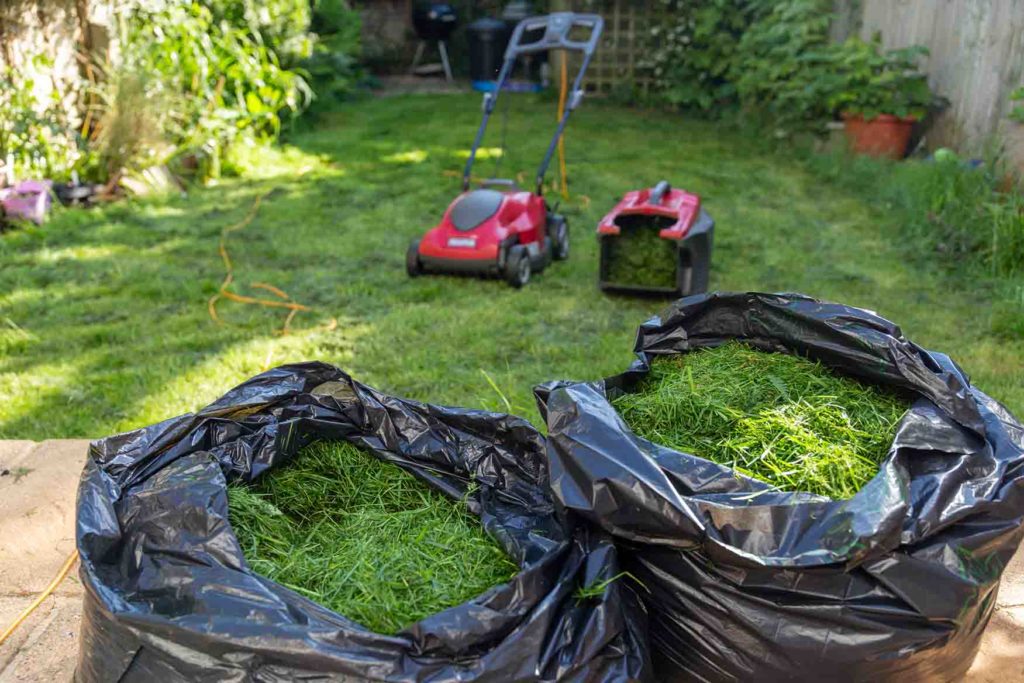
column 659, row 192
column 557, row 27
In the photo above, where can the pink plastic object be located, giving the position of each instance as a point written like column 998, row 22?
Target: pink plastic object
column 28, row 200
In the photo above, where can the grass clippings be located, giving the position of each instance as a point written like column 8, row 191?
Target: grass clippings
column 639, row 257
column 782, row 419
column 364, row 538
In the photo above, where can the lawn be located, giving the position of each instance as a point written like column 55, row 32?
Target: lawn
column 103, row 313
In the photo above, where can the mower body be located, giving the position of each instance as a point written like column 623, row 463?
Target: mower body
column 679, row 218
column 480, row 227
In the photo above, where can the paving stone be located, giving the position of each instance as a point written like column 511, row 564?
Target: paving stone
column 37, row 517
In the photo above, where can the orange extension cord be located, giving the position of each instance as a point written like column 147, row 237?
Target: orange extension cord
column 282, row 301
column 61, row 575
column 563, row 182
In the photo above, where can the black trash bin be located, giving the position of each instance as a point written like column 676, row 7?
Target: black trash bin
column 488, row 38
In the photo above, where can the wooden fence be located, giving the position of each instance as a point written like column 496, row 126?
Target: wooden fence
column 976, row 60
column 626, row 34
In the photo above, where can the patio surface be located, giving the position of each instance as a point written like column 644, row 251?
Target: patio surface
column 38, row 483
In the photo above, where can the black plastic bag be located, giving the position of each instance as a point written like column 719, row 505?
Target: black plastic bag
column 169, row 596
column 747, row 583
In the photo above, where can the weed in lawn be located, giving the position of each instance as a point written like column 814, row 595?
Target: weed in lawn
column 779, row 418
column 364, row 538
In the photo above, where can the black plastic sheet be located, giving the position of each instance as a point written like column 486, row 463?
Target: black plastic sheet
column 747, row 583
column 169, row 596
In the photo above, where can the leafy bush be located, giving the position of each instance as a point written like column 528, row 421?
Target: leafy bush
column 224, row 82
column 192, row 78
column 34, row 136
column 691, row 57
column 774, row 58
column 862, row 79
column 333, row 65
column 281, row 25
column 779, row 68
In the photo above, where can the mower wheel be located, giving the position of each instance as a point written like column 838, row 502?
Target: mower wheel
column 412, row 259
column 560, row 236
column 517, row 266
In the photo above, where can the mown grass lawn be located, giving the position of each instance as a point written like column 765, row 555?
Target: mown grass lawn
column 103, row 313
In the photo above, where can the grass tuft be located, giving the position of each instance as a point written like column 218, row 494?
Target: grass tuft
column 364, row 538
column 782, row 419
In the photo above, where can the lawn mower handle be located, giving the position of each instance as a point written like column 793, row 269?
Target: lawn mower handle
column 659, row 192
column 557, row 27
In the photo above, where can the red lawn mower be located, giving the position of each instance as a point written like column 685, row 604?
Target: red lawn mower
column 498, row 229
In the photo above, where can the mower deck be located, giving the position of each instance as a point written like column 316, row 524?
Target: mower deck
column 680, row 223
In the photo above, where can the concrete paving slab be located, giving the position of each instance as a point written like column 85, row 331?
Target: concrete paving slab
column 37, row 512
column 1001, row 657
column 12, row 453
column 45, row 647
column 1011, row 588
column 37, row 519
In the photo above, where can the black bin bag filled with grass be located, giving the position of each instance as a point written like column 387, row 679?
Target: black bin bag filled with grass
column 307, row 527
column 887, row 570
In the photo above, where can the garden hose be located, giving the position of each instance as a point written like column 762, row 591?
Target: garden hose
column 61, row 575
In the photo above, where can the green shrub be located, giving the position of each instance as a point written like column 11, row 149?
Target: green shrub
column 333, row 65
column 780, row 67
column 34, row 136
column 692, row 52
column 225, row 83
column 281, row 25
column 775, row 59
column 863, row 79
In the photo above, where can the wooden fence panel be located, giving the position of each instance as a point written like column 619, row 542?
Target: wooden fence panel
column 617, row 60
column 976, row 60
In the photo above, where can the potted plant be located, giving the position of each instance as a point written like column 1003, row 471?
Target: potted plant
column 879, row 95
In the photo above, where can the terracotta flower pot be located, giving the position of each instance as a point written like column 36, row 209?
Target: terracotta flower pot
column 883, row 136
